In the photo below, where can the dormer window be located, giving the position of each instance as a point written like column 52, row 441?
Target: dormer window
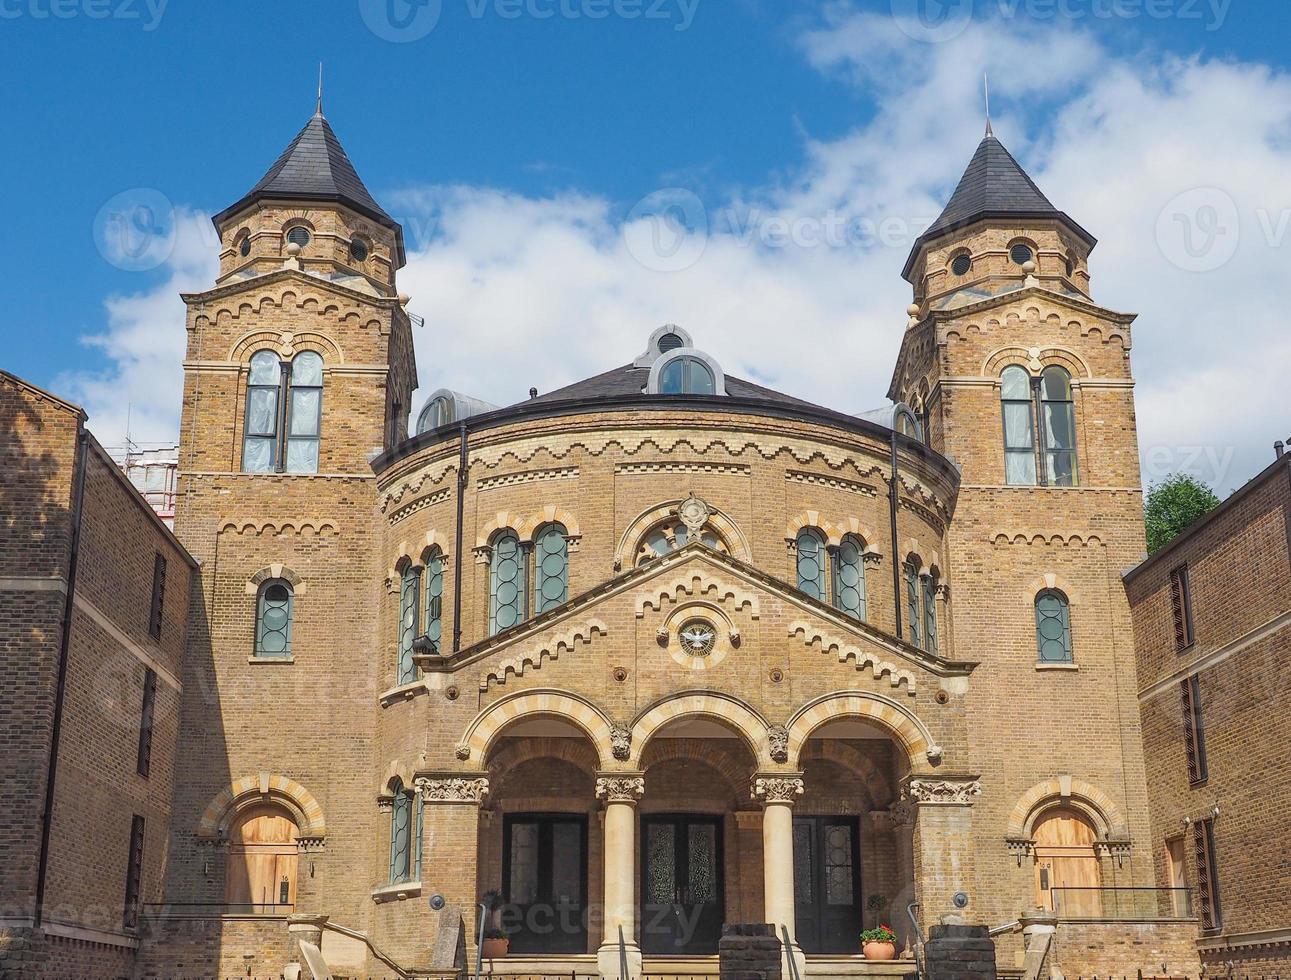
column 670, row 342
column 686, row 376
column 445, row 407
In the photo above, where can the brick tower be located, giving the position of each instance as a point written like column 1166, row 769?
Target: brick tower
column 299, row 371
column 1024, row 382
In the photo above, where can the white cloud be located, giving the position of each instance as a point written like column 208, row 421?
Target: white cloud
column 520, row 291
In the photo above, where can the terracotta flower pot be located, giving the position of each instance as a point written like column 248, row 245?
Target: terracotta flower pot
column 880, row 951
column 496, row 948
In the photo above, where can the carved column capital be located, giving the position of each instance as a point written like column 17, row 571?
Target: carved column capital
column 942, row 791
column 620, row 787
column 778, row 788
column 453, row 789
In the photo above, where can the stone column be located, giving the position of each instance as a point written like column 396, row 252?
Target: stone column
column 777, row 793
column 451, row 840
column 943, row 844
column 620, row 793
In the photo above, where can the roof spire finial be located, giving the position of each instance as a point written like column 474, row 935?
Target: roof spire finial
column 319, row 110
column 986, row 89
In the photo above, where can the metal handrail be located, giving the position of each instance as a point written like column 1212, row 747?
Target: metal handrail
column 1123, row 901
column 918, row 935
column 623, row 956
column 788, row 954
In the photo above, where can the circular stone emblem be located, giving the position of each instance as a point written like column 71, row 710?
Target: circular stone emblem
column 698, row 637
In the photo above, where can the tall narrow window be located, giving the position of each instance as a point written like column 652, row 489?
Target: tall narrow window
column 1058, row 428
column 1019, row 427
column 930, row 613
column 405, row 836
column 433, row 620
column 551, row 568
column 1181, row 607
column 1194, row 730
column 260, row 433
column 134, row 875
column 158, row 596
column 304, row 412
column 1053, row 627
column 849, row 577
column 143, row 760
column 1208, row 908
column 273, row 619
column 811, row 563
column 912, row 600
column 507, row 589
column 409, row 607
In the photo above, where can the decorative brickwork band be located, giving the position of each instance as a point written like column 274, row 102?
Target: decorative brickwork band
column 778, row 789
column 453, row 789
column 951, row 791
column 620, row 788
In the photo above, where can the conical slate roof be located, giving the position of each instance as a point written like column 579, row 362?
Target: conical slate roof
column 993, row 186
column 314, row 167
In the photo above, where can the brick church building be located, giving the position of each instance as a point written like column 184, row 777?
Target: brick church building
column 657, row 651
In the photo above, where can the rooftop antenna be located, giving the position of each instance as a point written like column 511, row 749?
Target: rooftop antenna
column 319, row 110
column 986, row 88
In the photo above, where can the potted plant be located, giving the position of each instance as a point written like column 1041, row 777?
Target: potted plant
column 879, row 943
column 496, row 943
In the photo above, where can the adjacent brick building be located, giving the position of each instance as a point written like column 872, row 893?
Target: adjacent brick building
column 1212, row 626
column 93, row 628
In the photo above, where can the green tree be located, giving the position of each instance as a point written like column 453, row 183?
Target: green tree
column 1172, row 505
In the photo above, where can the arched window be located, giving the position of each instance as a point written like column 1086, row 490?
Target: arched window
column 405, row 836
column 273, row 619
column 283, row 414
column 908, row 423
column 912, row 593
column 687, row 376
column 930, row 613
column 409, row 610
column 304, row 412
column 438, row 412
column 260, row 876
column 1019, row 427
column 551, row 568
column 1053, row 627
column 849, row 577
column 433, row 616
column 507, row 587
column 260, row 432
column 1058, row 427
column 672, row 535
column 811, row 563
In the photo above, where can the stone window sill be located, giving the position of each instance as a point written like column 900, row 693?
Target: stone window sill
column 396, row 893
column 271, row 661
column 1069, row 667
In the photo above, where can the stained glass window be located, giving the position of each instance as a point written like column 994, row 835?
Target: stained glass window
column 811, row 563
column 849, row 577
column 551, row 561
column 433, row 618
column 273, row 619
column 912, row 599
column 409, row 600
column 661, row 854
column 702, row 864
column 1053, row 627
column 401, row 833
column 840, row 876
column 260, row 432
column 506, row 583
column 930, row 613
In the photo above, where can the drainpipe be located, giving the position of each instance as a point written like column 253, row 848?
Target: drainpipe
column 64, row 644
column 463, row 467
column 893, row 497
column 1286, row 509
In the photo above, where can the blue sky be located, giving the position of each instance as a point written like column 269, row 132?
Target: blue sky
column 517, row 147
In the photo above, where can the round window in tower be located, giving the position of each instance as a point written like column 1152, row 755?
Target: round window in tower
column 962, row 264
column 358, row 250
column 244, row 246
column 1021, row 253
column 698, row 637
column 299, row 236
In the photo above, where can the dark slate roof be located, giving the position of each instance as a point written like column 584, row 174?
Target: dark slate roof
column 630, row 380
column 993, row 186
column 315, row 167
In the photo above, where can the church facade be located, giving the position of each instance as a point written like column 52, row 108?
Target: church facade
column 663, row 649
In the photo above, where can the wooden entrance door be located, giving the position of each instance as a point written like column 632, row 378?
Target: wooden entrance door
column 544, row 868
column 1066, row 865
column 263, row 855
column 682, row 885
column 827, row 884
